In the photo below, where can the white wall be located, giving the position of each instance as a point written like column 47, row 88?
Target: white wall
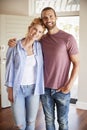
column 82, row 91
column 17, row 7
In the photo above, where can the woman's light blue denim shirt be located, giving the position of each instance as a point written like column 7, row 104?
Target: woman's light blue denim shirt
column 15, row 62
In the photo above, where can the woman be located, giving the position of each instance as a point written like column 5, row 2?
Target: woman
column 24, row 76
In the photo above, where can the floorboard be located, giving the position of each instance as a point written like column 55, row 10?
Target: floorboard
column 77, row 119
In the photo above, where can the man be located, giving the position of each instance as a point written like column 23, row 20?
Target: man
column 59, row 51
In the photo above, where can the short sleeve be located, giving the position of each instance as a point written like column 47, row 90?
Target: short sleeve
column 72, row 45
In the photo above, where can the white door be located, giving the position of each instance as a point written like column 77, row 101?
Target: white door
column 3, row 46
column 4, row 99
column 11, row 26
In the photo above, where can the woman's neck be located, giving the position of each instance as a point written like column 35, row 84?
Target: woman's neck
column 28, row 46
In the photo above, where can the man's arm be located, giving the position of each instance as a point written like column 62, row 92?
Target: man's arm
column 75, row 70
column 12, row 42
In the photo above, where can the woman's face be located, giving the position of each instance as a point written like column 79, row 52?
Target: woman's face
column 36, row 32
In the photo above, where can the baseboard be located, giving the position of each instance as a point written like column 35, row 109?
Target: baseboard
column 81, row 105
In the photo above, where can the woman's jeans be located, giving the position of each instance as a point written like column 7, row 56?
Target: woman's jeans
column 25, row 108
column 49, row 100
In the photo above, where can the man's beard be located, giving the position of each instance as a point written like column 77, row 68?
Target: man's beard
column 50, row 27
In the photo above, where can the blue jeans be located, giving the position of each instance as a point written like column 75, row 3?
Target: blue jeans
column 49, row 100
column 25, row 108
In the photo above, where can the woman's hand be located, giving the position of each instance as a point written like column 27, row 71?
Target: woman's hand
column 10, row 94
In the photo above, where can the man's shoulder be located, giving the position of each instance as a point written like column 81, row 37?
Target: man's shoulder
column 44, row 37
column 67, row 34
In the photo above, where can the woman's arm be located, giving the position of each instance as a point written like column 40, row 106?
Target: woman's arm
column 9, row 70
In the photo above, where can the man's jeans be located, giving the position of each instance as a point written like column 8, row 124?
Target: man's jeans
column 61, row 100
column 25, row 108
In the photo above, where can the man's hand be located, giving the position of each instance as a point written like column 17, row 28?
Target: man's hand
column 65, row 89
column 12, row 42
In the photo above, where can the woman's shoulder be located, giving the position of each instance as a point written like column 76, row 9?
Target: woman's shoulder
column 37, row 46
column 37, row 43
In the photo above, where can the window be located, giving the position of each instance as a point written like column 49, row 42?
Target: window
column 71, row 25
column 68, row 7
column 58, row 5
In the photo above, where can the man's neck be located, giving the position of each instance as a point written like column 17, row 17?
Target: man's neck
column 54, row 30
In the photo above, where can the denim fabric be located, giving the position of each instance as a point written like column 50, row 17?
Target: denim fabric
column 50, row 99
column 25, row 108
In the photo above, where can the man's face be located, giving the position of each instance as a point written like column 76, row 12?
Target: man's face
column 49, row 19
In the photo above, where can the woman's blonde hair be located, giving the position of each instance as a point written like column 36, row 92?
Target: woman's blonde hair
column 37, row 21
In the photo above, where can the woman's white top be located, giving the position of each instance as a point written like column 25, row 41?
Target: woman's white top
column 29, row 75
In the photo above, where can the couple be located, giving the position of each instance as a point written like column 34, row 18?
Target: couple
column 24, row 73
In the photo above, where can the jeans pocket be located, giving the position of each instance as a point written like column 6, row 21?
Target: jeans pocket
column 64, row 93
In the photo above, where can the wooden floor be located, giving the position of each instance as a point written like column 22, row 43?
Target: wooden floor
column 77, row 119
